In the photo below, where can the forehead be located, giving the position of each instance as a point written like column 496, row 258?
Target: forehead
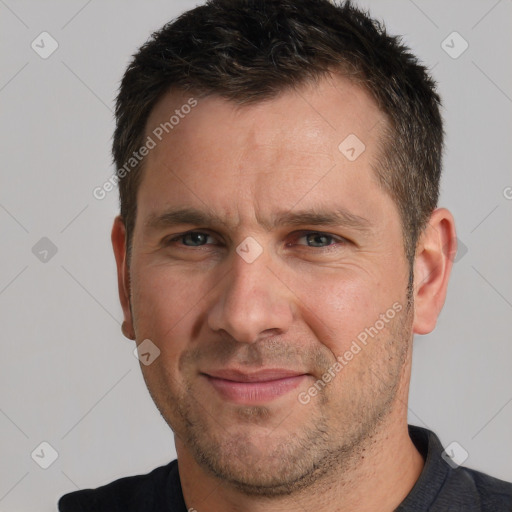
column 315, row 144
column 333, row 102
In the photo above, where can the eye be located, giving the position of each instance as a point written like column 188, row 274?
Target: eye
column 319, row 239
column 313, row 239
column 192, row 239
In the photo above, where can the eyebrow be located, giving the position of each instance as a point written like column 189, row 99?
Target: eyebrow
column 312, row 217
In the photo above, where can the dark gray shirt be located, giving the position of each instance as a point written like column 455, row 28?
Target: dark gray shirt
column 440, row 488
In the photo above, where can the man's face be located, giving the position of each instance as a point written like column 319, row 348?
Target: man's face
column 294, row 254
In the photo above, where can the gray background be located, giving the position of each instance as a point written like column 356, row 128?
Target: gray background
column 67, row 375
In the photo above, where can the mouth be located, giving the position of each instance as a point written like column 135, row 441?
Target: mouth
column 254, row 388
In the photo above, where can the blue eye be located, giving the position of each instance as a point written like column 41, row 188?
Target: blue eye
column 314, row 239
column 317, row 239
column 195, row 238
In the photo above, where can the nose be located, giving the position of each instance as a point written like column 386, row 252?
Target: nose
column 251, row 302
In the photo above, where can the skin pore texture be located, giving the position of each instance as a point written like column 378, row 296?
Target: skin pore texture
column 243, row 334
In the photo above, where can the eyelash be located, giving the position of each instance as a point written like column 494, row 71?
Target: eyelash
column 302, row 234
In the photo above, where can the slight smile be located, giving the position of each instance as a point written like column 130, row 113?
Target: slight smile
column 256, row 387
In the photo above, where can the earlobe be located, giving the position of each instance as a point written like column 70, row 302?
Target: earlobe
column 123, row 276
column 435, row 253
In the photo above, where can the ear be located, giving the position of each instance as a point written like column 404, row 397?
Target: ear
column 435, row 252
column 123, row 275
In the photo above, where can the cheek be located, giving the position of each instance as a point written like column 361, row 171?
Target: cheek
column 164, row 306
column 339, row 308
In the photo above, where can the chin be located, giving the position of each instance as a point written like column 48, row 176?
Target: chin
column 274, row 469
column 261, row 461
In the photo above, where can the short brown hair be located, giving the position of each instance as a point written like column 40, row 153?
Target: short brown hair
column 250, row 50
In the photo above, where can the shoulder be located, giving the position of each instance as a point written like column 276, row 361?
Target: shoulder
column 493, row 494
column 445, row 486
column 157, row 490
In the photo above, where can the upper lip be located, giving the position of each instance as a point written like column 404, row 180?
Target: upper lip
column 265, row 375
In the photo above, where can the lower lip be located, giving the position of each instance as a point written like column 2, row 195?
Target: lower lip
column 254, row 392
